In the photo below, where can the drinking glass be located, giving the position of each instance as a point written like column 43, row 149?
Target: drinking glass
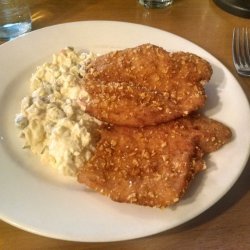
column 15, row 18
column 156, row 3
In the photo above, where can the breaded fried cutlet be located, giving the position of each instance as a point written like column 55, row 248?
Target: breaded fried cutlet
column 145, row 85
column 153, row 165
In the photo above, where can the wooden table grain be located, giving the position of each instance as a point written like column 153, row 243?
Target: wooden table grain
column 226, row 225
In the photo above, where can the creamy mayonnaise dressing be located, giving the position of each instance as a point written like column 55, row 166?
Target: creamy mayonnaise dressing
column 51, row 122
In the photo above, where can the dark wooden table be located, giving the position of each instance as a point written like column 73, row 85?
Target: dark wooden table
column 227, row 224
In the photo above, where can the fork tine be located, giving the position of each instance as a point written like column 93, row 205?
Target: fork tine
column 246, row 47
column 236, row 47
column 241, row 47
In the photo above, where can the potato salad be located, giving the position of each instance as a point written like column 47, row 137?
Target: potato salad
column 51, row 122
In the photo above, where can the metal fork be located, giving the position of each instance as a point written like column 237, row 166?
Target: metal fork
column 241, row 50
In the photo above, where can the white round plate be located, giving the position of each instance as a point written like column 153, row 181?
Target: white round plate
column 37, row 199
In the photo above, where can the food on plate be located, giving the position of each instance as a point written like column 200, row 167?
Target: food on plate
column 153, row 165
column 51, row 122
column 145, row 85
column 121, row 122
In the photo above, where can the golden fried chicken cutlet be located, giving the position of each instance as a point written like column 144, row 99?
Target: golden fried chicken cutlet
column 145, row 85
column 154, row 165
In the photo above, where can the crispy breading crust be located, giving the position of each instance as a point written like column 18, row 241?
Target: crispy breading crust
column 145, row 85
column 152, row 166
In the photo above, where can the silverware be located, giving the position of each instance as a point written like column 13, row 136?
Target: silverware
column 241, row 50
